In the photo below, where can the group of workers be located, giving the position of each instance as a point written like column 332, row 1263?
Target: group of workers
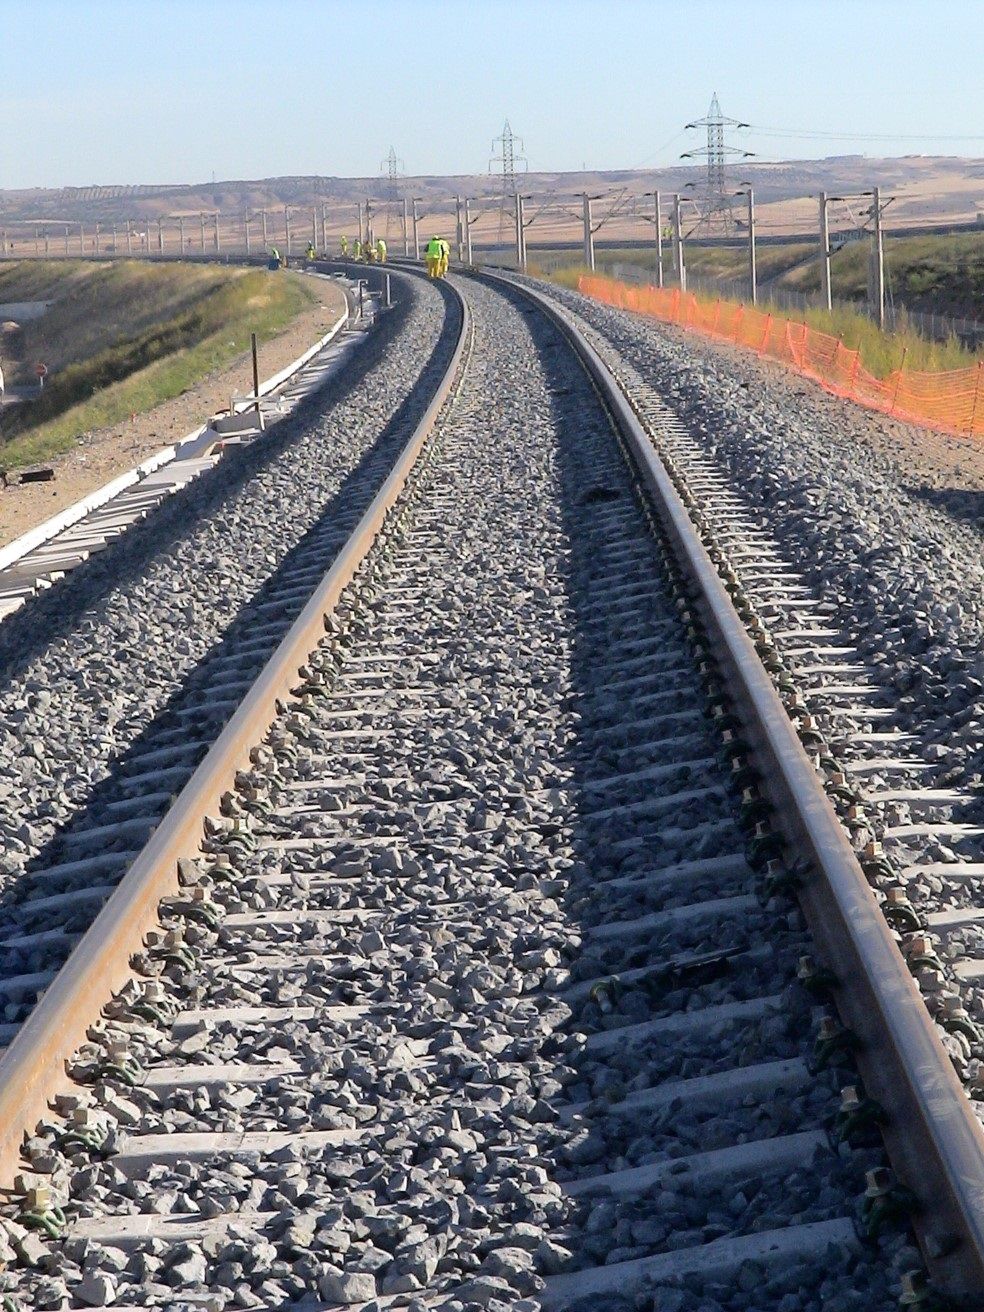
column 437, row 254
column 371, row 252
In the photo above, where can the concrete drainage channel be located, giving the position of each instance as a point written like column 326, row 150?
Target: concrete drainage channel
column 46, row 554
column 479, row 979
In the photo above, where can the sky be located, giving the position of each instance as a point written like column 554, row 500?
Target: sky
column 140, row 91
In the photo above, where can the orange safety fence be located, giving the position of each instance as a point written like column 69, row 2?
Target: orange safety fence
column 950, row 400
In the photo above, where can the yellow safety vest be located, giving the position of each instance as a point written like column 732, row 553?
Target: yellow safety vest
column 435, row 248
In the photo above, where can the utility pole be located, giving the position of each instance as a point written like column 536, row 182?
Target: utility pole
column 658, row 220
column 520, row 235
column 246, row 228
column 215, row 218
column 406, row 227
column 752, row 272
column 589, row 250
column 416, row 221
column 201, row 220
column 181, row 232
column 879, row 258
column 468, row 240
column 129, row 239
column 287, row 231
column 264, row 219
column 160, row 236
column 361, row 237
column 678, row 242
column 825, row 252
column 458, row 234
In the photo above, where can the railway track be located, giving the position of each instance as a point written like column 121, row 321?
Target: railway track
column 908, row 792
column 481, row 976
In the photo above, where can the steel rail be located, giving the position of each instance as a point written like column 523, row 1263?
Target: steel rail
column 934, row 1141
column 33, row 1069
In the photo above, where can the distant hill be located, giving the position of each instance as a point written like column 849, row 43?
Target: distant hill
column 929, row 189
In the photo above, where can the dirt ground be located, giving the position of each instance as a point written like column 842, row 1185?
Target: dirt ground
column 103, row 455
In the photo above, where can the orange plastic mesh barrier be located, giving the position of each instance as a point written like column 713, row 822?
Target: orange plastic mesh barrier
column 951, row 400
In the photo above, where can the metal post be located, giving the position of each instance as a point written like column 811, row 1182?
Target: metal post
column 458, row 241
column 519, row 231
column 589, row 251
column 181, row 232
column 879, row 258
column 160, row 236
column 752, row 272
column 361, row 238
column 406, row 228
column 129, row 239
column 215, row 217
column 678, row 243
column 246, row 226
column 114, row 237
column 389, row 291
column 201, row 220
column 370, row 235
column 468, row 238
column 256, row 371
column 66, row 238
column 658, row 217
column 825, row 253
column 263, row 216
column 416, row 238
column 314, row 229
column 81, row 241
column 287, row 230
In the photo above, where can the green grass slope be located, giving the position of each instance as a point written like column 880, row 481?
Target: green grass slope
column 124, row 337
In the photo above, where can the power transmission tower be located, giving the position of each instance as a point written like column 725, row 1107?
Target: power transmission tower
column 394, row 169
column 510, row 154
column 508, row 158
column 716, row 198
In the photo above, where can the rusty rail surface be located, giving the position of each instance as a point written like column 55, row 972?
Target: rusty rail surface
column 933, row 1139
column 33, row 1069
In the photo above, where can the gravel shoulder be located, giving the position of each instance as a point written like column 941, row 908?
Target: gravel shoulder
column 920, row 456
column 106, row 453
column 883, row 518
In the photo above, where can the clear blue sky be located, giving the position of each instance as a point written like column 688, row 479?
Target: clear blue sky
column 174, row 90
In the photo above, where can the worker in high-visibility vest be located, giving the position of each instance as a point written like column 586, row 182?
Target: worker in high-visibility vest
column 433, row 253
column 357, row 248
column 310, row 254
column 380, row 251
column 344, row 245
column 445, row 257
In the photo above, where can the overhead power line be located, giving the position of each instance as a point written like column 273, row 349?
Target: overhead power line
column 865, row 136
